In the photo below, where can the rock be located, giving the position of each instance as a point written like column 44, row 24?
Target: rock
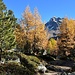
column 2, row 62
column 17, row 60
column 73, row 73
column 45, row 52
column 42, row 68
column 52, row 73
column 50, row 67
column 59, row 68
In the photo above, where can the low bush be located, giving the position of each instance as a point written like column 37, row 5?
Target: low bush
column 14, row 69
column 31, row 62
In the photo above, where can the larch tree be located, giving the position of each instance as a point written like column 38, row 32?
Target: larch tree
column 35, row 30
column 28, row 23
column 66, row 41
column 20, row 37
column 52, row 46
column 40, row 34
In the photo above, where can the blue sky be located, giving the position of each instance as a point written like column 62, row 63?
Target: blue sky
column 46, row 8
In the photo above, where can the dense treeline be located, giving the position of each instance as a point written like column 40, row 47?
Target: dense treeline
column 30, row 35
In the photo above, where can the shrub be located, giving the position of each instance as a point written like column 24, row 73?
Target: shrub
column 31, row 62
column 13, row 69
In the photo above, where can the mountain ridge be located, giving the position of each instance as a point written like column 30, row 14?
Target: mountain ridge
column 53, row 26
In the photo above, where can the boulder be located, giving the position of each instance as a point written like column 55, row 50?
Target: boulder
column 42, row 68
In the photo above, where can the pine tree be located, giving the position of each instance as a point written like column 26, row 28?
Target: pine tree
column 7, row 26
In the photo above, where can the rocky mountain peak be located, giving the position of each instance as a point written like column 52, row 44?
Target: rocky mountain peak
column 53, row 26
